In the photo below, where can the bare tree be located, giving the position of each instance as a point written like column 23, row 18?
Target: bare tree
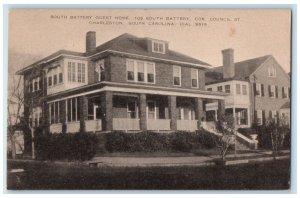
column 225, row 130
column 14, row 111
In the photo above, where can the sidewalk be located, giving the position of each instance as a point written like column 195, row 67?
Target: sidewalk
column 183, row 161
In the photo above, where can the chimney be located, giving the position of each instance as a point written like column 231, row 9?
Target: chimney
column 90, row 41
column 228, row 63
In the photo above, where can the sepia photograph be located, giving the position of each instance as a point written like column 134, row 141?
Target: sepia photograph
column 149, row 99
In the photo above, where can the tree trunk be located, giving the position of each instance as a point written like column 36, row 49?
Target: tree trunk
column 13, row 147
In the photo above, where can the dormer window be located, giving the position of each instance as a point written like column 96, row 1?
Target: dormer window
column 158, row 47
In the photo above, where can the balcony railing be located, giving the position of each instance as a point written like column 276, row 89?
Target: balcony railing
column 158, row 124
column 56, row 128
column 93, row 125
column 73, row 127
column 126, row 124
column 187, row 125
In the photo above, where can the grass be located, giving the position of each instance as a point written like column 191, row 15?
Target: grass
column 40, row 175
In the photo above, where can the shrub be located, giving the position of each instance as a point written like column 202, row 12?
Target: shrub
column 151, row 141
column 78, row 146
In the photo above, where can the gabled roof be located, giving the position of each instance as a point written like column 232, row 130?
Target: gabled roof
column 243, row 70
column 126, row 43
column 286, row 105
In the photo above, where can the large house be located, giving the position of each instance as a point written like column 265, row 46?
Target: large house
column 258, row 88
column 128, row 84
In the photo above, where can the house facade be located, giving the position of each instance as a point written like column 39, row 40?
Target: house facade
column 257, row 88
column 126, row 84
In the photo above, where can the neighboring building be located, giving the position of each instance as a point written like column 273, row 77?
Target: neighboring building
column 285, row 113
column 127, row 83
column 257, row 88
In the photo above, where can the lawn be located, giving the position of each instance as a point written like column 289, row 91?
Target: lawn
column 41, row 175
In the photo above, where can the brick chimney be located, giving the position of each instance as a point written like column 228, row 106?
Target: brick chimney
column 228, row 63
column 90, row 41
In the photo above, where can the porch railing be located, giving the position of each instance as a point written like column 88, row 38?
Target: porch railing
column 158, row 124
column 56, row 128
column 73, row 127
column 126, row 124
column 93, row 125
column 187, row 125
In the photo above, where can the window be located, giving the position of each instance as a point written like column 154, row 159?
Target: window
column 35, row 85
column 284, row 92
column 244, row 88
column 243, row 117
column 132, row 109
column 209, row 89
column 54, row 112
column 186, row 113
column 227, row 88
column 238, row 89
column 36, row 116
column 50, row 81
column 220, row 88
column 55, row 79
column 259, row 117
column 151, row 110
column 273, row 114
column 130, row 70
column 60, row 78
column 79, row 72
column 194, row 76
column 69, row 71
column 150, row 72
column 72, row 109
column 271, row 91
column 177, row 75
column 258, row 89
column 272, row 71
column 100, row 69
column 140, row 70
column 73, row 73
column 158, row 47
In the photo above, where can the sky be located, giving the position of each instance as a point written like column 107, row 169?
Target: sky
column 251, row 33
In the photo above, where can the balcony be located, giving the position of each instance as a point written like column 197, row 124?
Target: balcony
column 56, row 128
column 73, row 127
column 93, row 125
column 126, row 124
column 158, row 124
column 187, row 125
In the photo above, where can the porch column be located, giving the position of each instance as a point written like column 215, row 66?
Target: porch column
column 83, row 102
column 221, row 109
column 142, row 110
column 107, row 108
column 172, row 112
column 62, row 115
column 199, row 112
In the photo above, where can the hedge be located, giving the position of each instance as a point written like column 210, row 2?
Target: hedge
column 152, row 141
column 77, row 146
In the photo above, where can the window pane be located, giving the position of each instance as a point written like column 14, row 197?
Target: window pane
column 131, row 106
column 176, row 81
column 69, row 109
column 130, row 65
column 83, row 73
column 35, row 85
column 79, row 72
column 220, row 88
column 141, row 77
column 238, row 89
column 130, row 75
column 151, row 78
column 227, row 88
column 50, row 81
column 60, row 77
column 155, row 47
column 194, row 74
column 244, row 89
column 73, row 72
column 176, row 71
column 69, row 72
column 194, row 83
column 160, row 47
column 55, row 79
column 150, row 68
column 140, row 68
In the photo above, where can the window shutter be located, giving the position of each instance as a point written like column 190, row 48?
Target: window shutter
column 262, row 90
column 263, row 116
column 276, row 91
column 289, row 92
column 255, row 115
column 254, row 88
column 269, row 88
column 282, row 92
